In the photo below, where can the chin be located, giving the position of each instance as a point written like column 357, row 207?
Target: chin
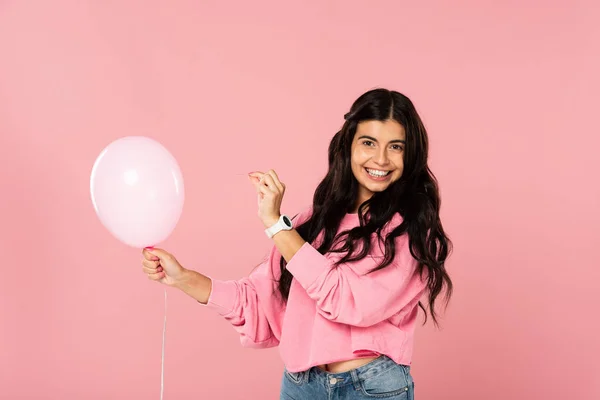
column 378, row 188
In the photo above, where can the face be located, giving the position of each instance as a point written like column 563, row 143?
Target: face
column 377, row 156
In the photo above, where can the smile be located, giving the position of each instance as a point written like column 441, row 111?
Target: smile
column 376, row 173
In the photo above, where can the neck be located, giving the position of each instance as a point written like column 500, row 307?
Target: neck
column 363, row 195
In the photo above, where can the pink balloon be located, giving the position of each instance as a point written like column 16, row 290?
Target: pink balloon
column 137, row 191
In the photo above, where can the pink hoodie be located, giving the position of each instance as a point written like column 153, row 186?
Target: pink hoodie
column 332, row 314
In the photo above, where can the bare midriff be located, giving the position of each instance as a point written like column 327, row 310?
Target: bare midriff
column 345, row 366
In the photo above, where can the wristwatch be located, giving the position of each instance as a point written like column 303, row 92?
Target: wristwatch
column 283, row 224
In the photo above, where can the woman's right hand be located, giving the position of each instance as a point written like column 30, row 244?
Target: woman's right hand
column 162, row 267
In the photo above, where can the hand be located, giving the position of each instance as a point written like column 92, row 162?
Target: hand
column 162, row 267
column 270, row 192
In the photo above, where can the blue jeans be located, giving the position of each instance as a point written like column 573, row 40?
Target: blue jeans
column 382, row 378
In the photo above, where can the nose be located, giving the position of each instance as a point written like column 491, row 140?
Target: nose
column 381, row 157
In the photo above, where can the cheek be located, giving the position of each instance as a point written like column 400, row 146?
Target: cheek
column 360, row 157
column 397, row 159
column 399, row 164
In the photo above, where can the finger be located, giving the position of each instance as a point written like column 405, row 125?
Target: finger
column 264, row 190
column 259, row 177
column 277, row 181
column 256, row 182
column 270, row 183
column 147, row 255
column 261, row 181
column 157, row 276
column 150, row 264
column 159, row 253
column 256, row 174
column 147, row 270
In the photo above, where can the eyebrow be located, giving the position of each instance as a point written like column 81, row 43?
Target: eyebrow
column 375, row 140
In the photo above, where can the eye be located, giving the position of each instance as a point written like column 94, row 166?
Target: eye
column 397, row 147
column 368, row 143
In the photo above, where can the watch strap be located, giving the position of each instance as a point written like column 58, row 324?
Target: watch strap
column 280, row 225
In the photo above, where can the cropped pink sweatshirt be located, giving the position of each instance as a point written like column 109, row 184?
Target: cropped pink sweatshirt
column 332, row 313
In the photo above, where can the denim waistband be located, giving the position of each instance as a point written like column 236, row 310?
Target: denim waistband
column 369, row 370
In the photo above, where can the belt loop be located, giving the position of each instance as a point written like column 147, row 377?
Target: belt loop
column 355, row 379
column 306, row 375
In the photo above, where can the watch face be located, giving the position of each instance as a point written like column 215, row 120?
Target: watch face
column 287, row 221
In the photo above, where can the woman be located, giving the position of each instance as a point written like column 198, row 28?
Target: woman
column 340, row 290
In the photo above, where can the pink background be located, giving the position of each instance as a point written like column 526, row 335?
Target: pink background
column 508, row 90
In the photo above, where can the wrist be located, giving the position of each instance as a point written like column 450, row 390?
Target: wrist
column 184, row 278
column 270, row 221
column 195, row 285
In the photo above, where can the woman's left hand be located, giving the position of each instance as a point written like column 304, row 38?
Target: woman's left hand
column 270, row 192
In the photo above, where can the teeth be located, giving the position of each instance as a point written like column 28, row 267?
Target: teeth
column 377, row 173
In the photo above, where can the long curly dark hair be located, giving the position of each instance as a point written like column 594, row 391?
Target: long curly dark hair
column 415, row 196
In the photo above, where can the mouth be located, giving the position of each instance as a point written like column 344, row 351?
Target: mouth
column 377, row 174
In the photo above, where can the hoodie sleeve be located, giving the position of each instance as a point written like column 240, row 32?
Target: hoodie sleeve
column 348, row 295
column 251, row 305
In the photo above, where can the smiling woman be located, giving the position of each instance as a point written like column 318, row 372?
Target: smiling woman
column 340, row 291
column 377, row 156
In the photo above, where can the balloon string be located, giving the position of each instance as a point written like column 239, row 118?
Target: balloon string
column 162, row 361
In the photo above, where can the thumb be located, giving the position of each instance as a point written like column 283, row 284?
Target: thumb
column 255, row 176
column 254, row 181
column 160, row 253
